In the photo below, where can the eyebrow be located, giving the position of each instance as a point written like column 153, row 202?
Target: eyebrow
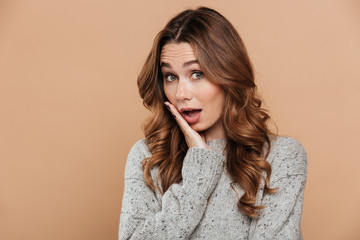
column 165, row 64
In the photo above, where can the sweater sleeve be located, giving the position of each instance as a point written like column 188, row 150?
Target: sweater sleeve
column 182, row 205
column 281, row 217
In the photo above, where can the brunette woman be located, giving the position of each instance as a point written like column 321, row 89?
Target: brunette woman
column 209, row 167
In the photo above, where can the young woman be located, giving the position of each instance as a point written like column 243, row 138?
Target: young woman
column 208, row 167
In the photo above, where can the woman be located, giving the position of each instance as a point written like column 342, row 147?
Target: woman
column 208, row 167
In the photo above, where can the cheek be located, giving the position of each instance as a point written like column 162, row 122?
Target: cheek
column 169, row 93
column 216, row 102
column 214, row 95
column 219, row 101
column 166, row 90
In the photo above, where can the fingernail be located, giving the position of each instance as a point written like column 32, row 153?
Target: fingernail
column 167, row 106
column 174, row 116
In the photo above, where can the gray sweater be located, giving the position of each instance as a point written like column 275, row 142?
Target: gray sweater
column 184, row 211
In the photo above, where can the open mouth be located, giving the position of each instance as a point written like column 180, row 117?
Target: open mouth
column 191, row 115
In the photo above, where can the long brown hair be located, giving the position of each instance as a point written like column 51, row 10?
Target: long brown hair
column 224, row 60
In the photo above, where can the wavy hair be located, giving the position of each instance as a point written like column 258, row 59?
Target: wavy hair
column 224, row 60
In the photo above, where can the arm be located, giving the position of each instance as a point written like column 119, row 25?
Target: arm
column 281, row 217
column 143, row 217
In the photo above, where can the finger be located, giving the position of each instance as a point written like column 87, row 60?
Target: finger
column 185, row 127
column 193, row 138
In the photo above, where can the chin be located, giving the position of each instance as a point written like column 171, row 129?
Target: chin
column 198, row 127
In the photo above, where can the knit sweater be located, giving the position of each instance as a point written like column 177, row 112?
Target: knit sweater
column 204, row 205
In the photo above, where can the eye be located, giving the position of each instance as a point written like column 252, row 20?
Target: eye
column 169, row 77
column 197, row 75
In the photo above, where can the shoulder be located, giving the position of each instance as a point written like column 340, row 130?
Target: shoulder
column 287, row 145
column 287, row 157
column 138, row 152
column 140, row 147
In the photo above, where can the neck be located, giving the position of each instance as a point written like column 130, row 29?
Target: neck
column 215, row 132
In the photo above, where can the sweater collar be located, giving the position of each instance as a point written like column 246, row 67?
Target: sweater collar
column 217, row 144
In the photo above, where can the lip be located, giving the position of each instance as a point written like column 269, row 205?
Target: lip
column 181, row 110
column 192, row 118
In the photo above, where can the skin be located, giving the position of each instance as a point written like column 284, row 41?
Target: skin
column 187, row 87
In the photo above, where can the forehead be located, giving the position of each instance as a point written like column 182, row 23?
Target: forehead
column 177, row 52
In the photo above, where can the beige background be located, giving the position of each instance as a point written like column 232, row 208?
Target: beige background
column 70, row 110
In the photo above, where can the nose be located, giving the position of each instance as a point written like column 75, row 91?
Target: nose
column 183, row 91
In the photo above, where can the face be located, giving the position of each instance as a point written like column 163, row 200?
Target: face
column 198, row 100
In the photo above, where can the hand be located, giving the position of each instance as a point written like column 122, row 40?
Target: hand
column 193, row 138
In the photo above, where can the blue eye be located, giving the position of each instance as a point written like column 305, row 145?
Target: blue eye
column 169, row 77
column 197, row 75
